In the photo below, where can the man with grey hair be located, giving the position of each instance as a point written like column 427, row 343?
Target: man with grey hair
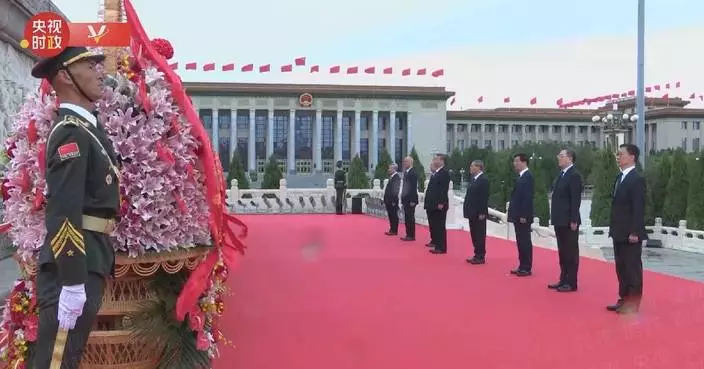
column 436, row 203
column 409, row 198
column 391, row 194
column 476, row 208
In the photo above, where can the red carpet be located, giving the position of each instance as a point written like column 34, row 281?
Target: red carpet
column 331, row 292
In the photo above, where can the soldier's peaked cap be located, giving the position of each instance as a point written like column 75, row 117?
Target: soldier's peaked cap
column 48, row 66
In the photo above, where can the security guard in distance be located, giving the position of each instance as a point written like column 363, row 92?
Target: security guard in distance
column 340, row 187
column 83, row 200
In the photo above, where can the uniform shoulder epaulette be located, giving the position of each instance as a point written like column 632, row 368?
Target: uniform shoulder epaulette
column 71, row 120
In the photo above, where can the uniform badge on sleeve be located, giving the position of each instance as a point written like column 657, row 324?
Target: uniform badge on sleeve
column 69, row 151
column 108, row 179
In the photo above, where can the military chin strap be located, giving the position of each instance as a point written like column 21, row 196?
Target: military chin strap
column 78, row 87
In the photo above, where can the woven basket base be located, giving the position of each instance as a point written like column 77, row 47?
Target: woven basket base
column 117, row 350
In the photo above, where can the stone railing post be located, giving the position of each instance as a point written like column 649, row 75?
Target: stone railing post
column 425, row 188
column 376, row 184
column 508, row 225
column 233, row 194
column 587, row 230
column 657, row 229
column 682, row 233
column 283, row 193
column 451, row 211
column 386, row 183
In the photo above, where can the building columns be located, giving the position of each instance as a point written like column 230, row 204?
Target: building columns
column 409, row 133
column 216, row 133
column 338, row 136
column 251, row 142
column 291, row 153
column 357, row 133
column 270, row 134
column 374, row 144
column 392, row 135
column 318, row 142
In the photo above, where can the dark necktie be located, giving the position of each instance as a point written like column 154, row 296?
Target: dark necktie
column 618, row 182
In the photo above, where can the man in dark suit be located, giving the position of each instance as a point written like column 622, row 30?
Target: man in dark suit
column 476, row 208
column 627, row 230
column 564, row 216
column 391, row 193
column 520, row 213
column 436, row 203
column 340, row 187
column 430, row 243
column 409, row 198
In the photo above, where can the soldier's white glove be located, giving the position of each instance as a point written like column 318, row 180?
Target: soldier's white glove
column 71, row 301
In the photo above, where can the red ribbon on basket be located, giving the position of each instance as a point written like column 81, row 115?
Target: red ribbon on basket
column 221, row 224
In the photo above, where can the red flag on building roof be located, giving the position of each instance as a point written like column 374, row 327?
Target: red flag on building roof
column 191, row 66
column 287, row 68
column 438, row 73
column 209, row 67
column 677, row 85
column 265, row 68
column 352, row 70
column 300, row 61
column 406, row 72
column 228, row 67
column 480, row 99
column 335, row 69
column 248, row 68
column 507, row 100
column 315, row 69
column 421, row 72
column 173, row 66
column 388, row 70
column 370, row 70
column 559, row 102
column 534, row 101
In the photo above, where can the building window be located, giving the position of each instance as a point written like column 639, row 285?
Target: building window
column 514, row 143
column 531, row 129
column 684, row 125
column 476, row 128
column 502, row 145
column 381, row 148
column 543, row 129
column 206, row 117
column 489, row 128
column 224, row 119
column 475, row 143
column 503, row 128
column 224, row 152
column 695, row 144
column 449, row 146
column 460, row 145
column 280, row 136
column 243, row 121
column 304, row 136
column 383, row 122
column 556, row 129
column 487, row 144
column 260, row 122
column 582, row 129
column 400, row 150
column 363, row 123
column 243, row 152
column 684, row 144
column 461, row 128
column 346, row 137
column 695, row 125
column 328, row 151
column 364, row 151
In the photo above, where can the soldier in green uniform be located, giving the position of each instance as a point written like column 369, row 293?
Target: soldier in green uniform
column 83, row 200
column 340, row 187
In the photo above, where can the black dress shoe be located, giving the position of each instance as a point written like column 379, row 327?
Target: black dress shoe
column 523, row 273
column 476, row 261
column 430, row 245
column 616, row 306
column 407, row 238
column 566, row 288
column 436, row 251
column 555, row 286
column 389, row 233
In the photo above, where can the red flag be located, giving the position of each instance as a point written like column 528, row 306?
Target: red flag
column 287, row 68
column 438, row 73
column 615, row 96
column 677, row 85
column 370, row 70
column 315, row 69
column 173, row 66
column 507, row 100
column 701, row 97
column 666, row 96
column 388, row 70
column 559, row 102
column 248, row 68
column 208, row 67
column 656, row 87
column 191, row 66
column 667, row 86
column 534, row 101
column 480, row 99
column 421, row 71
column 406, row 72
column 632, row 93
column 648, row 89
column 692, row 96
column 335, row 69
column 352, row 70
column 452, row 102
column 228, row 67
column 264, row 68
column 300, row 61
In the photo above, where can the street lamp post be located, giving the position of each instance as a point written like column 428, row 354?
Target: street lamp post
column 616, row 125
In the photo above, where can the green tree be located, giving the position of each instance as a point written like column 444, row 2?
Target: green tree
column 657, row 183
column 237, row 172
column 357, row 174
column 540, row 199
column 456, row 162
column 585, row 162
column 604, row 174
column 695, row 197
column 419, row 169
column 502, row 176
column 381, row 171
column 272, row 174
column 675, row 207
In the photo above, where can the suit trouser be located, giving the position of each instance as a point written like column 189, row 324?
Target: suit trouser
column 409, row 218
column 437, row 220
column 339, row 199
column 392, row 211
column 48, row 290
column 568, row 251
column 477, row 231
column 525, row 246
column 629, row 269
column 429, row 214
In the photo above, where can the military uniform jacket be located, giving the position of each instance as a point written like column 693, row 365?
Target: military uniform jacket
column 340, row 179
column 81, row 179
